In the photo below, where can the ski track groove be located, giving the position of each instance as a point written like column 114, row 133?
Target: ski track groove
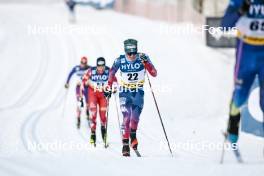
column 29, row 127
column 55, row 104
column 42, row 66
column 25, row 129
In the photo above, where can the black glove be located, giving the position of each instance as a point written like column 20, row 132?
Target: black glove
column 244, row 8
column 66, row 86
column 143, row 57
column 107, row 94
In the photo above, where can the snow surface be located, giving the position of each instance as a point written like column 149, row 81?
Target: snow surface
column 35, row 107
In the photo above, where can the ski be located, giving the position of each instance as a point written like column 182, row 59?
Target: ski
column 137, row 153
column 106, row 145
column 236, row 151
column 238, row 155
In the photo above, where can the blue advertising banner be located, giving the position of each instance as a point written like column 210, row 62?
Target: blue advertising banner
column 252, row 116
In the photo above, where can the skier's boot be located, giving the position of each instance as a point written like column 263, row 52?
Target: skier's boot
column 233, row 125
column 126, row 149
column 232, row 138
column 133, row 137
column 104, row 135
column 93, row 138
column 78, row 122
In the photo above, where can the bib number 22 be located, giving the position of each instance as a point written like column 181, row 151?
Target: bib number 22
column 132, row 76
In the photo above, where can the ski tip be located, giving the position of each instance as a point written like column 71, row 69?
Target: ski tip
column 240, row 160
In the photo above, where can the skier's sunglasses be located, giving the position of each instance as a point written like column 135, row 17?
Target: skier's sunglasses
column 130, row 54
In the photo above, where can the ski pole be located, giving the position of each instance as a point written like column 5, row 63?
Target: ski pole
column 118, row 118
column 106, row 120
column 223, row 150
column 225, row 139
column 64, row 103
column 157, row 107
column 239, row 54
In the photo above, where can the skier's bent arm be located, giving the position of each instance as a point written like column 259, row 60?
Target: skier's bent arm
column 86, row 77
column 148, row 65
column 114, row 86
column 70, row 75
column 113, row 70
column 151, row 69
column 85, row 80
column 232, row 13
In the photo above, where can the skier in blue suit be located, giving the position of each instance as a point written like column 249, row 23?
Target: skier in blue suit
column 79, row 71
column 248, row 17
column 133, row 67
